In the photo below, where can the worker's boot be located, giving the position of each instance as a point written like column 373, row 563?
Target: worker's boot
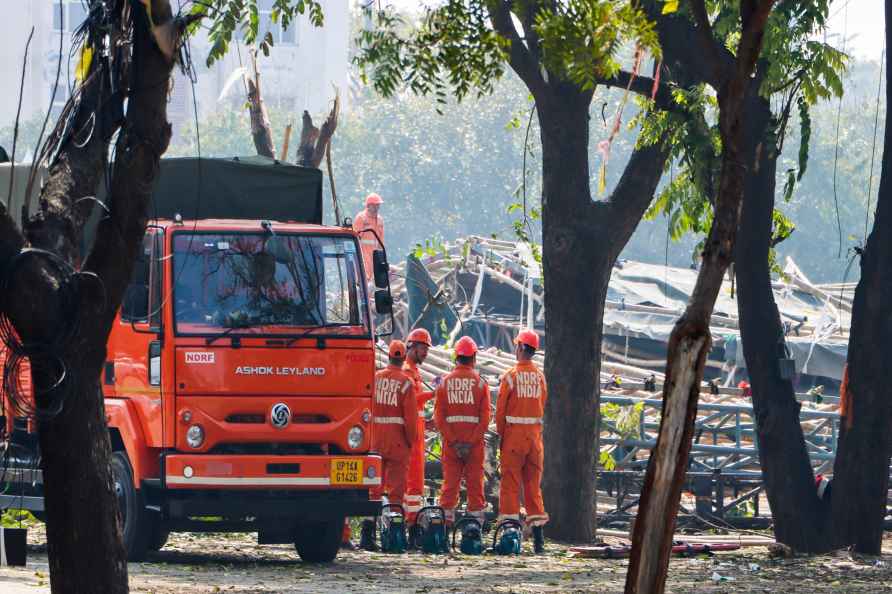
column 538, row 540
column 367, row 536
column 413, row 537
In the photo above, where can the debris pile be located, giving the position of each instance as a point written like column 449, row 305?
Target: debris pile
column 488, row 289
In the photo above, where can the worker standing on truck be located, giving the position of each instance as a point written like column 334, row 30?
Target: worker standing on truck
column 417, row 344
column 519, row 412
column 462, row 414
column 369, row 220
column 395, row 418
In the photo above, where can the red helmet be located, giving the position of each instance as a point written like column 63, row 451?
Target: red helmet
column 419, row 335
column 397, row 350
column 373, row 198
column 528, row 337
column 466, row 347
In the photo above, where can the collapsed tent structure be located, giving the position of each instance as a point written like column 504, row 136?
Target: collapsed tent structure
column 488, row 289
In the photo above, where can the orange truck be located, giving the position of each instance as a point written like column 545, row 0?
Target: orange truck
column 239, row 380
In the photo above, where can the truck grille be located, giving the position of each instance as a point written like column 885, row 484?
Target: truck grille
column 269, row 449
column 246, row 419
column 260, row 418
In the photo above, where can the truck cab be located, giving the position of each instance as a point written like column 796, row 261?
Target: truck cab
column 238, row 385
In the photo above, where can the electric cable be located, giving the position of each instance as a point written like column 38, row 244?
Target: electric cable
column 836, row 149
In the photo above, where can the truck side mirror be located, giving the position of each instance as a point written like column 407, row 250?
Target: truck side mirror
column 383, row 301
column 381, row 268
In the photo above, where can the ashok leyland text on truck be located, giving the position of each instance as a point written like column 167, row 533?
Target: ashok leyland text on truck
column 239, row 376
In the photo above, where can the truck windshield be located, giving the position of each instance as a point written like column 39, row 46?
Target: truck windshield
column 267, row 283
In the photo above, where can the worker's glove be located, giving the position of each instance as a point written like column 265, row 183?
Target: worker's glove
column 437, row 381
column 462, row 449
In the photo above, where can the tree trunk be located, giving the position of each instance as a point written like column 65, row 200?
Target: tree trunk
column 690, row 340
column 260, row 126
column 574, row 270
column 314, row 141
column 861, row 470
column 84, row 543
column 800, row 519
column 581, row 241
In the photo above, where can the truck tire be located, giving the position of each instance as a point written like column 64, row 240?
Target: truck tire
column 135, row 519
column 318, row 542
column 158, row 538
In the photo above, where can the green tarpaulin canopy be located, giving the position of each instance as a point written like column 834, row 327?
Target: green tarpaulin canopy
column 236, row 188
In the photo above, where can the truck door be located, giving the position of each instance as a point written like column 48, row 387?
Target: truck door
column 133, row 367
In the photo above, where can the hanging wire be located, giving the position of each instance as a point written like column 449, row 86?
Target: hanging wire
column 666, row 249
column 18, row 115
column 526, row 143
column 845, row 33
column 873, row 150
column 188, row 68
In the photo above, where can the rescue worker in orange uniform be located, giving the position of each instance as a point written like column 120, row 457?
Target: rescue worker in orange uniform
column 369, row 218
column 519, row 412
column 394, row 418
column 417, row 344
column 462, row 415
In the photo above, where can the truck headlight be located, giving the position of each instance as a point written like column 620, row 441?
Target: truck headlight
column 355, row 437
column 195, row 436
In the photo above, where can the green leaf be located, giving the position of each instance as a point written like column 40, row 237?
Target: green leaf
column 670, row 6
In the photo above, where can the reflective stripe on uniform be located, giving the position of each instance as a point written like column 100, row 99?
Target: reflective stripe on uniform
column 413, row 503
column 462, row 419
column 421, row 414
column 534, row 521
column 390, row 420
column 524, row 420
column 369, row 241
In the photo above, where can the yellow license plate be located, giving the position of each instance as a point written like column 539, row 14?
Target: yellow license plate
column 346, row 471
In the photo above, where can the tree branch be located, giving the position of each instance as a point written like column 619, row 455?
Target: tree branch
column 519, row 57
column 711, row 49
column 644, row 86
column 143, row 139
column 634, row 193
column 327, row 131
column 260, row 126
column 753, row 15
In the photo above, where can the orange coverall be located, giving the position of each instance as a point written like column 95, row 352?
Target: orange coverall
column 368, row 242
column 519, row 411
column 395, row 422
column 415, row 484
column 462, row 414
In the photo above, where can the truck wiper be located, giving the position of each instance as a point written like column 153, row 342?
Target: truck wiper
column 309, row 333
column 212, row 339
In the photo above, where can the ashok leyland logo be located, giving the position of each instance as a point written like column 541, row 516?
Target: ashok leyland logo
column 280, row 415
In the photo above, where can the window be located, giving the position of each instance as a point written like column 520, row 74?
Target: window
column 142, row 298
column 281, row 36
column 73, row 13
column 135, row 306
column 259, row 283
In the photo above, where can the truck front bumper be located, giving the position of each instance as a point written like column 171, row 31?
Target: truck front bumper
column 204, row 471
column 266, row 487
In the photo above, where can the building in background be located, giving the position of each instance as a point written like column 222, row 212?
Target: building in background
column 301, row 72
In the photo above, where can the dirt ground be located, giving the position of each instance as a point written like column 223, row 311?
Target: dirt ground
column 199, row 563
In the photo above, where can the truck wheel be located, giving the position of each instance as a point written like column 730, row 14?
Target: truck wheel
column 318, row 542
column 158, row 538
column 133, row 513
